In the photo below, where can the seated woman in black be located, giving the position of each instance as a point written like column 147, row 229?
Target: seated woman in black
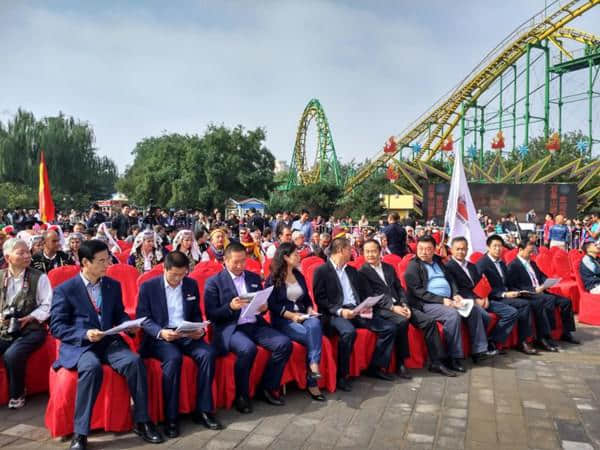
column 292, row 310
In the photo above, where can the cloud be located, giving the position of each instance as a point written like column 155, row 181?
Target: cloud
column 135, row 69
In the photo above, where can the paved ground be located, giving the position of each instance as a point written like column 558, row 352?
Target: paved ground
column 517, row 402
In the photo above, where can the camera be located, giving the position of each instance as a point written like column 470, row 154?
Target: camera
column 14, row 327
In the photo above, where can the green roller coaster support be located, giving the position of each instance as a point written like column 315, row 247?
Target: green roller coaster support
column 326, row 166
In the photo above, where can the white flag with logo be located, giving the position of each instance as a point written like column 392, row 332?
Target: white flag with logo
column 461, row 216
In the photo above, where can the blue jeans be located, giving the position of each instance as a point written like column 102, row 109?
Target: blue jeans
column 307, row 333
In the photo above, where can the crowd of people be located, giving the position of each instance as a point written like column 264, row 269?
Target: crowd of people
column 438, row 285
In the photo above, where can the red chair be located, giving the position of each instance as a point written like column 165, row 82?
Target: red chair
column 126, row 275
column 147, row 276
column 401, row 268
column 62, row 274
column 413, row 247
column 124, row 245
column 357, row 263
column 561, row 267
column 200, row 276
column 210, row 266
column 123, row 256
column 475, row 256
column 510, row 255
column 253, row 266
column 36, row 372
column 392, row 259
column 307, row 262
column 295, row 369
column 266, row 267
column 589, row 304
column 309, row 277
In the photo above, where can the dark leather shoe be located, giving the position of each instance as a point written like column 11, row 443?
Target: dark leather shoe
column 208, row 420
column 318, row 397
column 527, row 349
column 441, row 369
column 455, row 365
column 273, row 397
column 545, row 345
column 493, row 348
column 569, row 338
column 243, row 405
column 379, row 373
column 171, row 429
column 149, row 433
column 482, row 356
column 79, row 442
column 344, row 385
column 403, row 372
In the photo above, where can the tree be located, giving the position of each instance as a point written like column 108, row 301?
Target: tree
column 202, row 172
column 74, row 168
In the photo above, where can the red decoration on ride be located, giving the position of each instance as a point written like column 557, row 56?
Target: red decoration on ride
column 448, row 144
column 390, row 145
column 498, row 141
column 391, row 174
column 553, row 143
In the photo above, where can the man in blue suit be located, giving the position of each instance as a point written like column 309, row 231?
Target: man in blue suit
column 166, row 302
column 224, row 300
column 82, row 307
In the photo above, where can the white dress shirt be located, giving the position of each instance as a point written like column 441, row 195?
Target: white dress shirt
column 240, row 287
column 464, row 266
column 95, row 293
column 497, row 265
column 174, row 297
column 43, row 295
column 530, row 271
column 348, row 294
column 379, row 270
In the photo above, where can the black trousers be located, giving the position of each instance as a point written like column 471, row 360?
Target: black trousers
column 346, row 329
column 117, row 355
column 422, row 321
column 15, row 354
column 565, row 307
column 523, row 308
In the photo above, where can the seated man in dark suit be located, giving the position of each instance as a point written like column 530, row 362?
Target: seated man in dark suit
column 432, row 290
column 524, row 274
column 166, row 302
column 589, row 269
column 338, row 289
column 224, row 299
column 495, row 271
column 381, row 279
column 466, row 276
column 82, row 307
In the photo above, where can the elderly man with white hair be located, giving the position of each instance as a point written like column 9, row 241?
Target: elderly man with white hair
column 25, row 297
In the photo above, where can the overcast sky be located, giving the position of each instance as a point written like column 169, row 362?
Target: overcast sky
column 138, row 69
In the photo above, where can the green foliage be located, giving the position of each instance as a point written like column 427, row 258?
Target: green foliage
column 13, row 195
column 201, row 172
column 74, row 168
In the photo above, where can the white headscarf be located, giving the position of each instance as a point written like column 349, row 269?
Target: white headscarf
column 137, row 243
column 73, row 235
column 31, row 239
column 181, row 234
column 114, row 247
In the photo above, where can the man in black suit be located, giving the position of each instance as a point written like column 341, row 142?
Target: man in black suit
column 466, row 276
column 338, row 289
column 381, row 279
column 396, row 235
column 166, row 302
column 495, row 271
column 524, row 274
column 432, row 290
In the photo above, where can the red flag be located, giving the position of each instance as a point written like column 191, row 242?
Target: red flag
column 46, row 204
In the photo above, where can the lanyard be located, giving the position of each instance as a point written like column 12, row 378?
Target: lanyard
column 24, row 289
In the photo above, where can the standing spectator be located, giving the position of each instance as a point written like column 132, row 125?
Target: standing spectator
column 121, row 222
column 96, row 217
column 396, row 235
column 558, row 233
column 303, row 224
column 547, row 225
column 256, row 220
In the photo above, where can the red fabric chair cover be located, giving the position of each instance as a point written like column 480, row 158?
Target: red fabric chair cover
column 253, row 266
column 147, row 276
column 187, row 389
column 309, row 276
column 169, row 248
column 123, row 256
column 124, row 245
column 392, row 259
column 225, row 394
column 589, row 304
column 36, row 373
column 475, row 256
column 561, row 266
column 267, row 268
column 295, row 369
column 126, row 275
column 208, row 267
column 543, row 250
column 357, row 263
column 402, row 268
column 544, row 263
column 413, row 247
column 62, row 274
column 307, row 262
column 111, row 412
column 510, row 255
column 483, row 288
column 364, row 346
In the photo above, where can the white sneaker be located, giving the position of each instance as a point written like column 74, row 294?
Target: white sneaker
column 16, row 403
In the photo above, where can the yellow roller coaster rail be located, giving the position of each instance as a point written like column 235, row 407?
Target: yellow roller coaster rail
column 443, row 117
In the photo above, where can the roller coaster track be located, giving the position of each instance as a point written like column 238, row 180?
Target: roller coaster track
column 443, row 117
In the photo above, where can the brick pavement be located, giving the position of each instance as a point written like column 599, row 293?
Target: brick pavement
column 550, row 401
